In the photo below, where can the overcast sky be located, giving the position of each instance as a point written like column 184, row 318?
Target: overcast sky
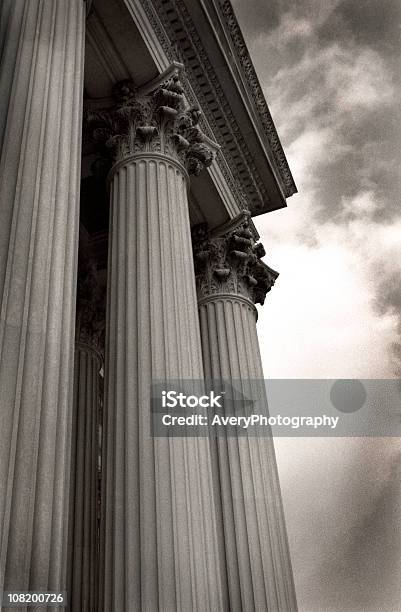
column 330, row 71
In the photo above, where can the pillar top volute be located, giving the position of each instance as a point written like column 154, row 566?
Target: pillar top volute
column 228, row 261
column 154, row 118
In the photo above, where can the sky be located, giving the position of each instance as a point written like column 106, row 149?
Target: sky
column 330, row 73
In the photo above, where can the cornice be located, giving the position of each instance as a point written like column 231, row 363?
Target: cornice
column 256, row 198
column 254, row 87
column 236, row 162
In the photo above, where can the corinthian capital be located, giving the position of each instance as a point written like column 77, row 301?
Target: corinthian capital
column 153, row 119
column 228, row 261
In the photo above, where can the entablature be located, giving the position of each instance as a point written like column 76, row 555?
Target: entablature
column 206, row 38
column 140, row 39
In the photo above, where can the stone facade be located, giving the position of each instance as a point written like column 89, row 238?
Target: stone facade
column 103, row 291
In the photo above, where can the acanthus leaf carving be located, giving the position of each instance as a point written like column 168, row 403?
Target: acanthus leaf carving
column 159, row 121
column 229, row 261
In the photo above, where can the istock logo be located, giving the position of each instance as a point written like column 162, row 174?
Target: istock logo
column 172, row 399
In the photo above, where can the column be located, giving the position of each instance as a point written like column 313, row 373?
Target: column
column 41, row 93
column 83, row 566
column 231, row 278
column 160, row 548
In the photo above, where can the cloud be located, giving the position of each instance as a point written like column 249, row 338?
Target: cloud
column 361, row 560
column 350, row 560
column 330, row 74
column 358, row 79
column 283, row 16
column 374, row 23
column 320, row 320
column 333, row 85
column 335, row 310
column 363, row 205
column 334, row 103
column 314, row 147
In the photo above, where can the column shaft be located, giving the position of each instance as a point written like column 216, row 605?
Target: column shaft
column 160, row 525
column 9, row 43
column 230, row 278
column 84, row 498
column 39, row 191
column 259, row 570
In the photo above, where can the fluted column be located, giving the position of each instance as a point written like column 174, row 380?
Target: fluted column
column 231, row 278
column 160, row 548
column 84, row 544
column 41, row 94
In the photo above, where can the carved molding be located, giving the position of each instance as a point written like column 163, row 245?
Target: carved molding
column 229, row 261
column 250, row 188
column 153, row 119
column 257, row 95
column 258, row 196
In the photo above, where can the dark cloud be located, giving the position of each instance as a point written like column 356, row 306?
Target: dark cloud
column 255, row 15
column 330, row 73
column 375, row 23
column 344, row 523
column 388, row 302
column 360, row 571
